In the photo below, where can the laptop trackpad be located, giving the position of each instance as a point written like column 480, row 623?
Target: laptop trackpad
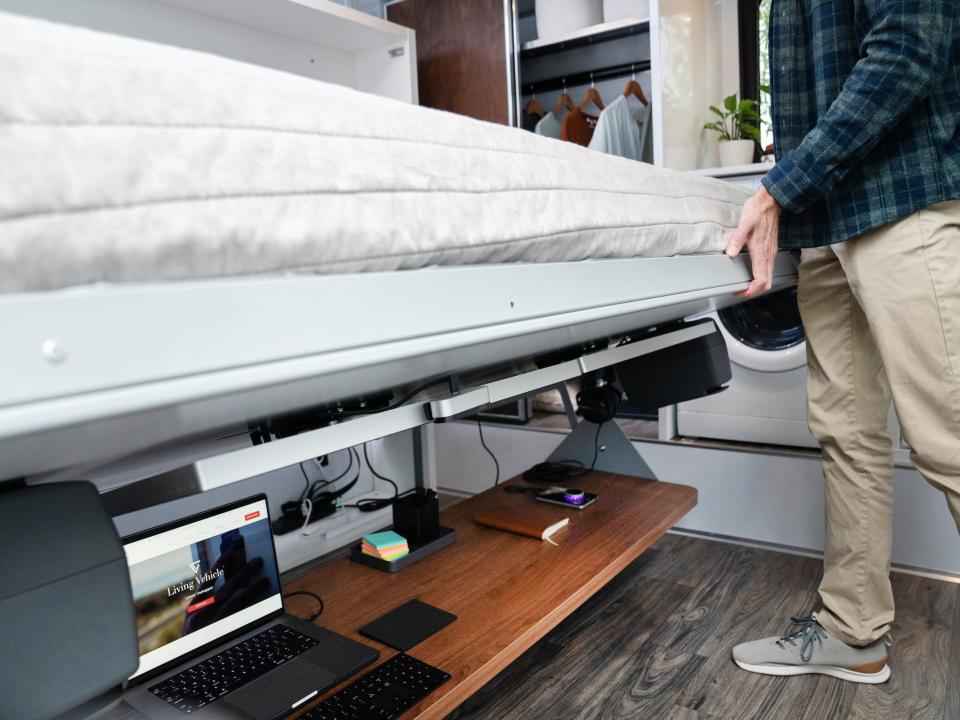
column 282, row 690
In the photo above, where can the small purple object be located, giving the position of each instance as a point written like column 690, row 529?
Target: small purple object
column 573, row 496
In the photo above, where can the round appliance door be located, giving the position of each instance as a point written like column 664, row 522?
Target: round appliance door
column 765, row 334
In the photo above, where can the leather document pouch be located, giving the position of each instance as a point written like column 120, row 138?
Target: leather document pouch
column 523, row 519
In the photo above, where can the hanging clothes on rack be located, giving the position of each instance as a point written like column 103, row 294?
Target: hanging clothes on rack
column 549, row 126
column 578, row 127
column 621, row 131
column 533, row 113
column 531, row 120
column 645, row 119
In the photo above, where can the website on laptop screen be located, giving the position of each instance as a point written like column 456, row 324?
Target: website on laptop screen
column 198, row 582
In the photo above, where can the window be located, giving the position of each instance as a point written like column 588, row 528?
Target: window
column 754, row 24
column 763, row 29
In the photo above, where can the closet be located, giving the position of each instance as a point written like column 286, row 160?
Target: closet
column 486, row 59
column 574, row 73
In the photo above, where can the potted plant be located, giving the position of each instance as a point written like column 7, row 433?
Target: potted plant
column 739, row 130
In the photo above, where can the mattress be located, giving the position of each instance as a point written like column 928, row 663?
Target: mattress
column 126, row 162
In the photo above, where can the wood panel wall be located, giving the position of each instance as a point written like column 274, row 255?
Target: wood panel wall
column 461, row 55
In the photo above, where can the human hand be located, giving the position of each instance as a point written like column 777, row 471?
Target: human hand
column 758, row 231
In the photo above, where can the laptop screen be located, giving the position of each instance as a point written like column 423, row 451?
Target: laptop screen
column 201, row 579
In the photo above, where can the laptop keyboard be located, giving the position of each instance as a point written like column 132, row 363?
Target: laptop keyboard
column 213, row 678
column 383, row 693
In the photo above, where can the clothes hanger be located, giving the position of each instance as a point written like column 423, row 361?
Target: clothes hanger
column 534, row 107
column 592, row 96
column 564, row 101
column 633, row 88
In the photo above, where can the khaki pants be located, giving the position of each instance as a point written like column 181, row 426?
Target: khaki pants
column 882, row 317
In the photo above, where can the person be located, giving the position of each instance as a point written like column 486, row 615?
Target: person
column 866, row 122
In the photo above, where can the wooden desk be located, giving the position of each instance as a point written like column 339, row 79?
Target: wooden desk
column 507, row 591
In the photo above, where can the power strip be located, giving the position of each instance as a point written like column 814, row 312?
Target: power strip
column 331, row 533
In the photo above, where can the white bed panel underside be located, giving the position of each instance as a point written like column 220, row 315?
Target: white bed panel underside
column 127, row 161
column 142, row 365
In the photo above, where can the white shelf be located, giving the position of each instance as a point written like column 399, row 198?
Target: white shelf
column 584, row 33
column 733, row 170
column 319, row 22
column 317, row 39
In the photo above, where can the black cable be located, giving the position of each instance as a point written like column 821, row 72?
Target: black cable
column 306, row 489
column 392, row 406
column 372, row 504
column 316, row 597
column 366, row 456
column 596, row 448
column 320, row 484
column 564, row 469
column 351, row 453
column 310, row 488
column 334, row 495
column 483, row 443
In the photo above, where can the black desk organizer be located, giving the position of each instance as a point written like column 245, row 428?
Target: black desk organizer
column 417, row 552
column 416, row 516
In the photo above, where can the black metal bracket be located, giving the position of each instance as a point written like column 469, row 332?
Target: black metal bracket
column 586, row 77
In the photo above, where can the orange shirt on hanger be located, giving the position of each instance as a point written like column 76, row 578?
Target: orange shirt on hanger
column 578, row 127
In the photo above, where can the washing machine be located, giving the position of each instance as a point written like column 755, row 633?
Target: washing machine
column 766, row 399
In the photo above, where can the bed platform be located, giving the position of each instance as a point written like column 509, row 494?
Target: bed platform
column 191, row 244
column 100, row 372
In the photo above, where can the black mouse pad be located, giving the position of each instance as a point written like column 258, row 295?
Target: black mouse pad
column 405, row 626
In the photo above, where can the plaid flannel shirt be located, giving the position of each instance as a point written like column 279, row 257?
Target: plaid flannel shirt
column 866, row 113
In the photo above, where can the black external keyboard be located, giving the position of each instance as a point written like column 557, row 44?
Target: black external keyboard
column 383, row 693
column 206, row 681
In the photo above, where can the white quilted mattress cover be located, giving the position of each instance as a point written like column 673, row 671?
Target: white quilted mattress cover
column 128, row 161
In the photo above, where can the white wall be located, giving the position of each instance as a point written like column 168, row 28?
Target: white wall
column 762, row 497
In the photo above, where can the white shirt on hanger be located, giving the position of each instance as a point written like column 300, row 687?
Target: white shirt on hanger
column 619, row 130
column 549, row 126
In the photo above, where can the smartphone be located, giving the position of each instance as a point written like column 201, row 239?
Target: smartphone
column 560, row 497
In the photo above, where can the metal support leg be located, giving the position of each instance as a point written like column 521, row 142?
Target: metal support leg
column 616, row 453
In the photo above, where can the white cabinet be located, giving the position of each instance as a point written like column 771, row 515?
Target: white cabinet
column 314, row 38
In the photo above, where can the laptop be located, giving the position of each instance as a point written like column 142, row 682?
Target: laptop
column 214, row 639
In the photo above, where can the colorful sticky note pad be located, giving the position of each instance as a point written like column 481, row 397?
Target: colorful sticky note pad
column 385, row 545
column 384, row 539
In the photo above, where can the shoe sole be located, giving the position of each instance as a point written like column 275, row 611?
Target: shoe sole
column 881, row 676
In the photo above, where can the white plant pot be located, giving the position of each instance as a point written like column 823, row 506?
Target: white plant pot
column 559, row 17
column 736, row 152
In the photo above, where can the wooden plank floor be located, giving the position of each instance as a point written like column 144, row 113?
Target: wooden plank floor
column 655, row 643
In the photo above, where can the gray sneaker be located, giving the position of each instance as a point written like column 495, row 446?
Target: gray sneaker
column 811, row 650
